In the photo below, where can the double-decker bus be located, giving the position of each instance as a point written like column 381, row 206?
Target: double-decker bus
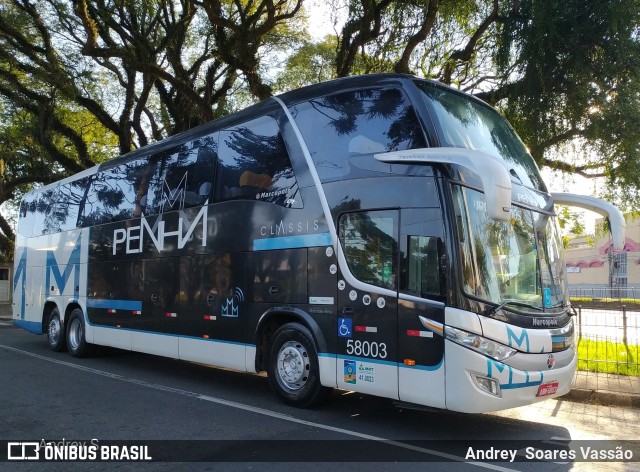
column 381, row 234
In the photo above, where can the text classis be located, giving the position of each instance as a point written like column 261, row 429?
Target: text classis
column 282, row 228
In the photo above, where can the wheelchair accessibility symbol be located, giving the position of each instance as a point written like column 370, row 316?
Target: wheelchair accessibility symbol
column 344, row 327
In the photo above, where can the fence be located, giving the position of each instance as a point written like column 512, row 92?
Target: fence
column 599, row 293
column 608, row 349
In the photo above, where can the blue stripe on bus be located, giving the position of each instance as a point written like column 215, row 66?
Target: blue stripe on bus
column 114, row 304
column 558, row 339
column 31, row 326
column 292, row 242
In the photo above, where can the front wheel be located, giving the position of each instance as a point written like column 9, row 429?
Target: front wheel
column 76, row 335
column 293, row 366
column 55, row 332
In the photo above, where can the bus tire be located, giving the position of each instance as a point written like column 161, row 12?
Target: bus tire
column 55, row 332
column 76, row 335
column 293, row 370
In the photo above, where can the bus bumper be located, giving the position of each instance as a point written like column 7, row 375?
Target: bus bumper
column 478, row 384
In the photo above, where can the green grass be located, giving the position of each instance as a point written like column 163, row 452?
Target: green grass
column 614, row 302
column 608, row 357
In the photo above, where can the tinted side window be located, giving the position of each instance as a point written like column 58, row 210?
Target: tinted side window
column 254, row 164
column 113, row 195
column 41, row 209
column 66, row 204
column 27, row 215
column 183, row 177
column 423, row 260
column 423, row 272
column 52, row 211
column 370, row 243
column 358, row 122
column 179, row 178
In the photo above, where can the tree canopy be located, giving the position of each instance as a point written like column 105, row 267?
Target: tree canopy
column 84, row 81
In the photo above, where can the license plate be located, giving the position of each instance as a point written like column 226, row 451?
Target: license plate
column 550, row 388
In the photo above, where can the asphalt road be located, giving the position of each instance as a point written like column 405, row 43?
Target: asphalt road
column 119, row 395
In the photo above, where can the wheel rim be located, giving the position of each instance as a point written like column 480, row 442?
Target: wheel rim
column 75, row 334
column 293, row 365
column 54, row 331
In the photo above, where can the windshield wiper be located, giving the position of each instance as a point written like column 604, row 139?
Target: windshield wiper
column 492, row 310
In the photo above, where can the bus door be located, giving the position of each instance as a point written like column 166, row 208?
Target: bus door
column 367, row 314
column 421, row 307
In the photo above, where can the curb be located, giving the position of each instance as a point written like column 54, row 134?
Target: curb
column 584, row 395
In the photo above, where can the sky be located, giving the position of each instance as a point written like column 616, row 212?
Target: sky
column 320, row 18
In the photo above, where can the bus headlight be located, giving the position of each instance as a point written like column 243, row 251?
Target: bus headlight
column 484, row 346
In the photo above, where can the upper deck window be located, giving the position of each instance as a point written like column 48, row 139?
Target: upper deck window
column 466, row 123
column 112, row 193
column 337, row 126
column 183, row 177
column 179, row 178
column 53, row 210
column 253, row 164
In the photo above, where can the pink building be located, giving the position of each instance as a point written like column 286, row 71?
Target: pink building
column 599, row 266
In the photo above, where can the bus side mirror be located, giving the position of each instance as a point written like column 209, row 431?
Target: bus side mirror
column 617, row 222
column 495, row 177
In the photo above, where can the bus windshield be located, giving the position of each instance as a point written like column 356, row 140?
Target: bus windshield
column 473, row 125
column 512, row 261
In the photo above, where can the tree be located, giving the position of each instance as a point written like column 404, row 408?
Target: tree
column 564, row 72
column 86, row 81
column 81, row 82
column 310, row 63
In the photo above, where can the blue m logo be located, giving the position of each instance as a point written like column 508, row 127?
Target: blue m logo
column 519, row 340
column 61, row 278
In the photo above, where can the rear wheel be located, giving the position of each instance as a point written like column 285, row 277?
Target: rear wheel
column 55, row 332
column 293, row 366
column 76, row 340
